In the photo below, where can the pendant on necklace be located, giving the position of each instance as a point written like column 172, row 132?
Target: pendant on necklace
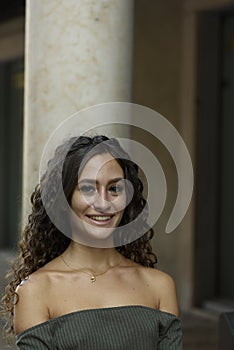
column 93, row 279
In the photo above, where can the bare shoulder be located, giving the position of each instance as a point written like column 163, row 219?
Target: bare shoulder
column 35, row 280
column 38, row 281
column 159, row 278
column 164, row 288
column 30, row 308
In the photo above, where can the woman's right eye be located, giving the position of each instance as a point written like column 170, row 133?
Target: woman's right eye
column 87, row 189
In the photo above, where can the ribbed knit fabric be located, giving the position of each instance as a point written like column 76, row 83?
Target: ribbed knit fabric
column 131, row 327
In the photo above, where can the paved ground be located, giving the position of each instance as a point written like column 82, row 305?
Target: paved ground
column 200, row 331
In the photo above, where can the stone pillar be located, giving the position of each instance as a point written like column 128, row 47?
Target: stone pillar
column 78, row 53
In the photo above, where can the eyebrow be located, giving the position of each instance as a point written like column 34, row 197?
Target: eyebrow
column 91, row 181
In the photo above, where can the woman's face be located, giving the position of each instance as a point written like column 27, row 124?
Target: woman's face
column 99, row 198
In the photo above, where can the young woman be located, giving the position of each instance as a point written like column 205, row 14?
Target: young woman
column 94, row 287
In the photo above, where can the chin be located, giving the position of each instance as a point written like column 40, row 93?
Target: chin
column 93, row 236
column 99, row 233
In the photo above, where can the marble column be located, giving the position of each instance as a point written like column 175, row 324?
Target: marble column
column 78, row 53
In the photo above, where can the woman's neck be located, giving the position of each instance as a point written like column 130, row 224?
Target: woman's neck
column 79, row 255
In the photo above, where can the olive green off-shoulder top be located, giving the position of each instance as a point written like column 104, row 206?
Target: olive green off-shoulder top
column 131, row 327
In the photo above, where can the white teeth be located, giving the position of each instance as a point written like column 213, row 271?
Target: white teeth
column 100, row 218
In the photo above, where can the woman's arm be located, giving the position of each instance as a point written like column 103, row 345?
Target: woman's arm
column 170, row 334
column 168, row 297
column 30, row 309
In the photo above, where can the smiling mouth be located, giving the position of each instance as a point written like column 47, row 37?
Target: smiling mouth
column 100, row 218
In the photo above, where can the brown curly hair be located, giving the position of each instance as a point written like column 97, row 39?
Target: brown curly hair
column 42, row 241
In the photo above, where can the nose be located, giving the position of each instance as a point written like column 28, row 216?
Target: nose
column 101, row 202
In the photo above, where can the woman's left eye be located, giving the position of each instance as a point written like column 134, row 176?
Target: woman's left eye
column 116, row 189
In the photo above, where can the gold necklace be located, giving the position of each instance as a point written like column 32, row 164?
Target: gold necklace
column 92, row 275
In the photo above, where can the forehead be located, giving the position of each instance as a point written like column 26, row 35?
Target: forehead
column 101, row 165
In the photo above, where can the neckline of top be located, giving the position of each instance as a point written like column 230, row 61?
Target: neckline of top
column 100, row 309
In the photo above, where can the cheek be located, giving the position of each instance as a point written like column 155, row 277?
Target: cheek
column 74, row 201
column 78, row 202
column 120, row 204
column 119, row 218
column 120, row 215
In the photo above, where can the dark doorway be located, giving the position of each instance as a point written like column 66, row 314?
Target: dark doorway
column 11, row 127
column 11, row 9
column 11, row 139
column 214, row 239
column 225, row 282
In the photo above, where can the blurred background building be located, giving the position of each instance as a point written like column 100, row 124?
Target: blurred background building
column 176, row 57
